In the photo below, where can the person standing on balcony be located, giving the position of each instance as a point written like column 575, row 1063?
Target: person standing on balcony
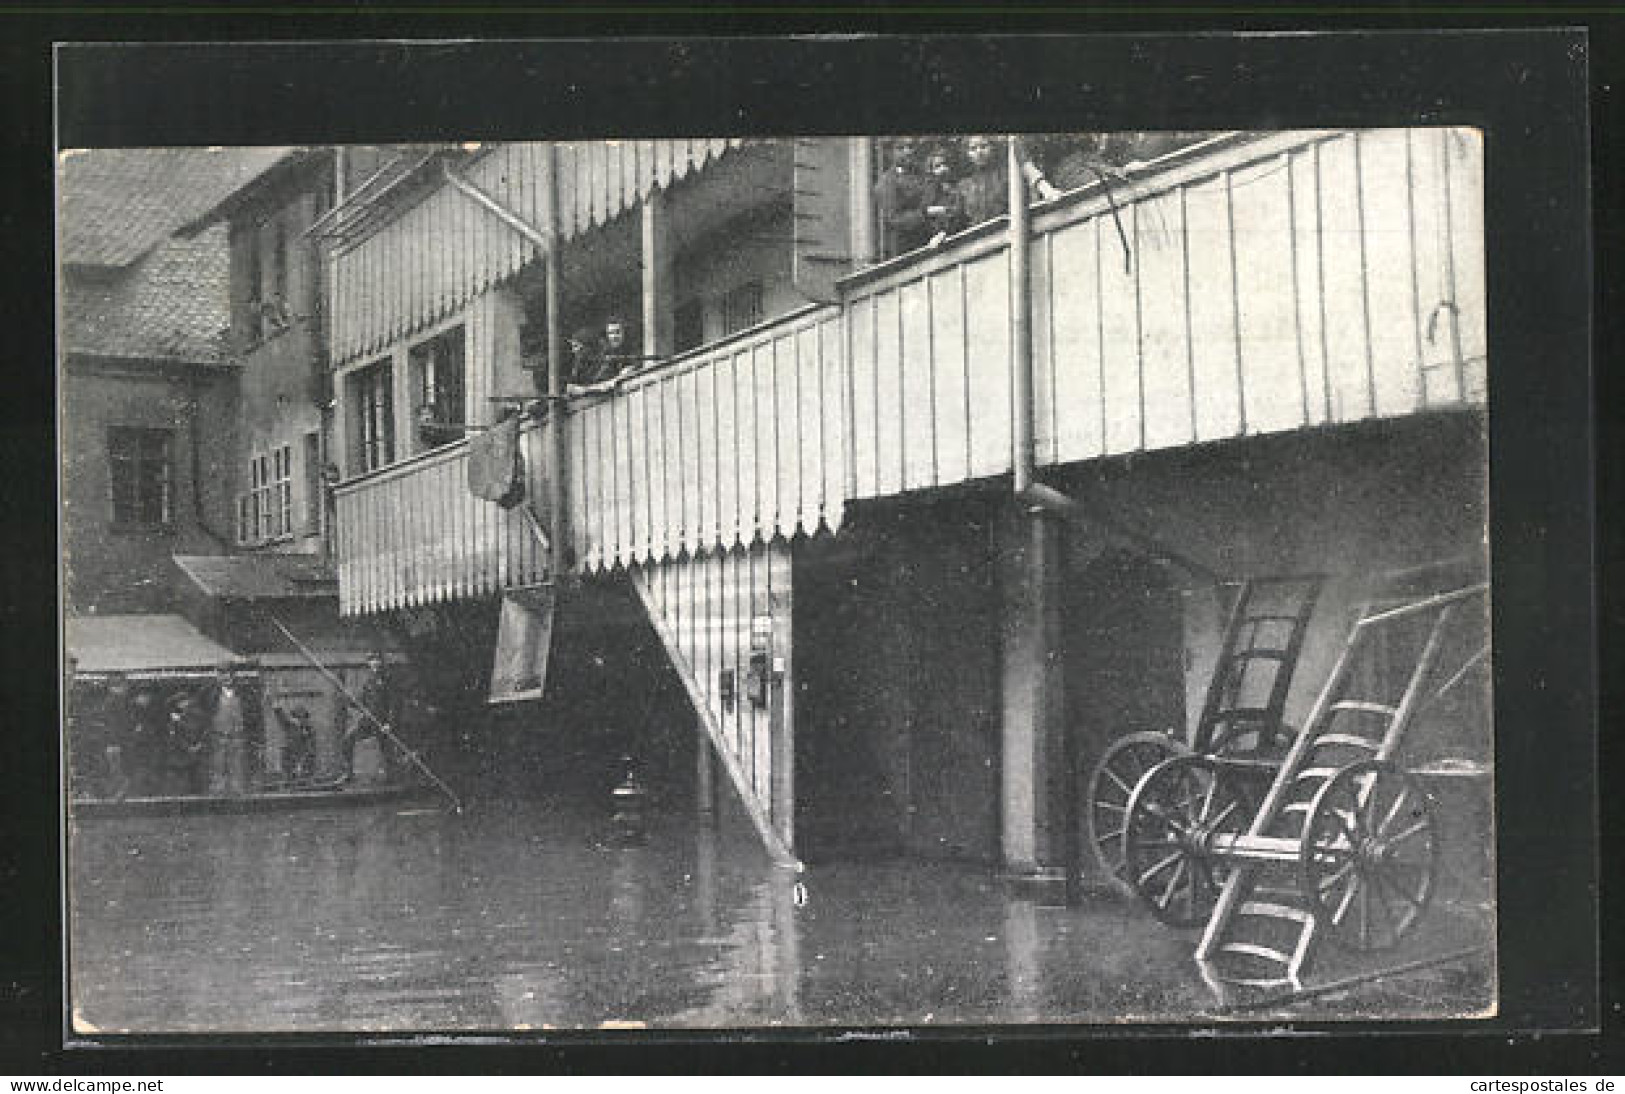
column 618, row 355
column 943, row 210
column 599, row 362
column 1061, row 162
column 982, row 192
column 900, row 199
column 586, row 357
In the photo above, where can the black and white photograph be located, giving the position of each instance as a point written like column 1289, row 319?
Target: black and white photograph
column 885, row 579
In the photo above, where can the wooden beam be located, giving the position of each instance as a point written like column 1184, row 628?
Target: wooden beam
column 659, row 304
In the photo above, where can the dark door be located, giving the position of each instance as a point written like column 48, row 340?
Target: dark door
column 1124, row 641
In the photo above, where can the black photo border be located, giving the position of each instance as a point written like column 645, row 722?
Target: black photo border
column 217, row 79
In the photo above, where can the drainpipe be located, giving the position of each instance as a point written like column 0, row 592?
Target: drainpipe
column 1042, row 503
column 194, row 440
column 1045, row 563
column 556, row 378
column 1036, row 496
column 545, row 239
column 1021, row 321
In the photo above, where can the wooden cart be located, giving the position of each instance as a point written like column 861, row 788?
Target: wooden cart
column 1241, row 715
column 1345, row 844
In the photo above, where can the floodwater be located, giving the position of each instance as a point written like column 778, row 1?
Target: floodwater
column 522, row 913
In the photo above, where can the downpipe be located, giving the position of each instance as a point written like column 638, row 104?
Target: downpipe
column 1041, row 503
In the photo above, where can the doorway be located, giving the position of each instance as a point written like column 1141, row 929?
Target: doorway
column 1124, row 641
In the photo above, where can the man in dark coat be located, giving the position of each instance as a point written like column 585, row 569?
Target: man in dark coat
column 381, row 698
column 944, row 212
column 228, row 735
column 185, row 738
column 900, row 199
column 144, row 746
column 983, row 192
column 600, row 361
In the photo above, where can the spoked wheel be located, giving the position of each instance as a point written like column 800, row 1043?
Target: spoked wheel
column 1111, row 783
column 1173, row 816
column 1369, row 855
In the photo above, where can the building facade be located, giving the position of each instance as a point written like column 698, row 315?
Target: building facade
column 193, row 399
column 919, row 533
column 144, row 372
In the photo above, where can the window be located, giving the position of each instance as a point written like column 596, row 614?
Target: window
column 437, row 380
column 260, row 475
column 139, row 468
column 742, row 307
column 688, row 326
column 277, row 250
column 265, row 513
column 254, row 291
column 268, row 247
column 282, row 491
column 372, row 417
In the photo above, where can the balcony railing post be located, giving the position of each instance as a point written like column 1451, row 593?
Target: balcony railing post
column 556, row 500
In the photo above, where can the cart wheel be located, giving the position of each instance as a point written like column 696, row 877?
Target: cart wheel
column 1369, row 855
column 1173, row 815
column 1111, row 783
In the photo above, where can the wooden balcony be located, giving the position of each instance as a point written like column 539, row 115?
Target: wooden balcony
column 1254, row 286
column 412, row 534
column 743, row 440
column 1263, row 285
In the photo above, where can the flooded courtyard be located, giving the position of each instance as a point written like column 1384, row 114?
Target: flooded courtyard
column 524, row 913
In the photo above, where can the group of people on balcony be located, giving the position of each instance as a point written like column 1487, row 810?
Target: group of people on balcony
column 599, row 358
column 931, row 189
column 928, row 190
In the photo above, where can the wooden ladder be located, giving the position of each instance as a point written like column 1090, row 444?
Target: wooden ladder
column 1263, row 932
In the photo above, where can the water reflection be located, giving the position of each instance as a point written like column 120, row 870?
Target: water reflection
column 522, row 913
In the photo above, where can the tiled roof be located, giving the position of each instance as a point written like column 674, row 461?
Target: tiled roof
column 171, row 304
column 258, row 577
column 115, row 205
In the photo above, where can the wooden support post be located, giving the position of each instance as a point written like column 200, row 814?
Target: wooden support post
column 864, row 250
column 659, row 307
column 1031, row 715
column 705, row 778
column 782, row 721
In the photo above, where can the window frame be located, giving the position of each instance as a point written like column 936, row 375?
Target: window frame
column 128, row 484
column 370, row 394
column 747, row 296
column 437, row 369
column 265, row 509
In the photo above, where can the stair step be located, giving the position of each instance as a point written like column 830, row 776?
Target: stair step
column 1365, row 707
column 1350, row 739
column 1253, row 949
column 1273, row 910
